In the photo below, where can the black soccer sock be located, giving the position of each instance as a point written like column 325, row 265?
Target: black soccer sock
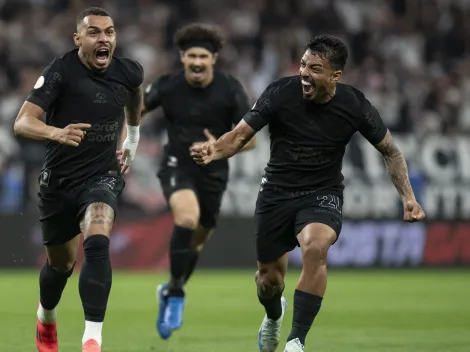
column 95, row 278
column 192, row 265
column 51, row 285
column 180, row 259
column 306, row 307
column 272, row 305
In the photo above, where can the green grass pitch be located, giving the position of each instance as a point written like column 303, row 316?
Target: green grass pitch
column 376, row 311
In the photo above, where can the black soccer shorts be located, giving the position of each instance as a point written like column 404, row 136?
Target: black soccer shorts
column 209, row 193
column 61, row 209
column 280, row 215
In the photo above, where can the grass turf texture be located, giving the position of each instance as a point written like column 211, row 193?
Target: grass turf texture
column 377, row 311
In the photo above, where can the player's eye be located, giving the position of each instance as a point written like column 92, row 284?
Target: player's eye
column 302, row 64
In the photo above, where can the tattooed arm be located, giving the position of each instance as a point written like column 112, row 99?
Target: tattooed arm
column 398, row 171
column 396, row 166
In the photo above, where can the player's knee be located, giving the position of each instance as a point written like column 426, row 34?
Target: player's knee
column 188, row 221
column 315, row 250
column 62, row 266
column 269, row 282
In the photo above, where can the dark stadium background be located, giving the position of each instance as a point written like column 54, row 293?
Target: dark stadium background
column 411, row 59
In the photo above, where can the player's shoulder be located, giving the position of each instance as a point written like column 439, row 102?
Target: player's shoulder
column 227, row 82
column 132, row 69
column 169, row 82
column 350, row 95
column 284, row 85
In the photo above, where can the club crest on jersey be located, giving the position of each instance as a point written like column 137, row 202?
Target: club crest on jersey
column 121, row 94
column 45, row 177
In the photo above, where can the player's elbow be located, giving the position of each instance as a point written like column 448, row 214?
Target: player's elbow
column 18, row 127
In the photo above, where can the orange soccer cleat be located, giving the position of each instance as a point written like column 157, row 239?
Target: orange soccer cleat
column 91, row 346
column 46, row 337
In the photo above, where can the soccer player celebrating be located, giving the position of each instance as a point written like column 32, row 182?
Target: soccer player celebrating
column 311, row 119
column 85, row 94
column 199, row 103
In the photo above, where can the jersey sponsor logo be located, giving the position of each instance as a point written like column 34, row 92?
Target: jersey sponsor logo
column 100, row 98
column 103, row 132
column 45, row 177
column 39, row 82
column 311, row 156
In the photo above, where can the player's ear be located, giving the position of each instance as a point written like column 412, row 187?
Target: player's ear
column 76, row 39
column 214, row 58
column 336, row 76
column 182, row 56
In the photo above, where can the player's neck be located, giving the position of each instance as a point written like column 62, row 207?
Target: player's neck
column 326, row 97
column 203, row 84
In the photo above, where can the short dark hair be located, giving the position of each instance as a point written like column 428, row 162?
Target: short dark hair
column 91, row 11
column 330, row 48
column 199, row 32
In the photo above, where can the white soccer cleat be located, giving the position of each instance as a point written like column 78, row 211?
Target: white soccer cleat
column 269, row 333
column 294, row 346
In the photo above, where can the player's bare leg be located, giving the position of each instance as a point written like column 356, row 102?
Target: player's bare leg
column 315, row 240
column 200, row 238
column 52, row 280
column 270, row 284
column 96, row 274
column 185, row 209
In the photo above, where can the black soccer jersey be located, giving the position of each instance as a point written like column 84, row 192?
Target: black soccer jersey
column 71, row 93
column 308, row 140
column 189, row 110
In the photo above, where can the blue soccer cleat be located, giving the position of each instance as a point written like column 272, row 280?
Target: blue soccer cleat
column 174, row 312
column 163, row 330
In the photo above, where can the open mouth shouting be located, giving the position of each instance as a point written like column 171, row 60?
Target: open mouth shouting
column 308, row 87
column 197, row 72
column 102, row 56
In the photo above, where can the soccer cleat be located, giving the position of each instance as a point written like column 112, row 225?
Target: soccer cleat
column 46, row 337
column 174, row 312
column 91, row 346
column 294, row 346
column 162, row 329
column 269, row 333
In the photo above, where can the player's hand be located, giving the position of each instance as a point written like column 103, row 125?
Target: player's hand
column 203, row 153
column 123, row 167
column 413, row 212
column 126, row 155
column 210, row 138
column 71, row 135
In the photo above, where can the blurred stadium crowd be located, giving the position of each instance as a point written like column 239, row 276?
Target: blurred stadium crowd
column 410, row 58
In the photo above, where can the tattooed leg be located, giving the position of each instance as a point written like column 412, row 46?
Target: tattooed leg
column 96, row 275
